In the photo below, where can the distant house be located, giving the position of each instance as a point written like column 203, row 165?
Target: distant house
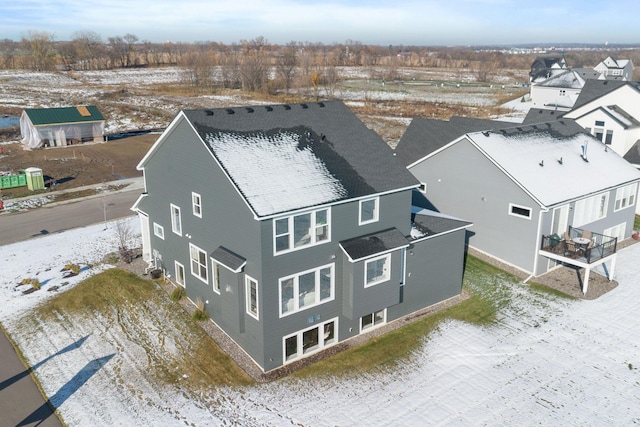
column 59, row 127
column 558, row 92
column 294, row 225
column 612, row 68
column 531, row 191
column 544, row 67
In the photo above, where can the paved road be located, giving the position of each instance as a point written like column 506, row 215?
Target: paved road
column 16, row 227
column 21, row 402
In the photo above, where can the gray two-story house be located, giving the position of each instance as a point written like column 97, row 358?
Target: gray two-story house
column 293, row 224
column 539, row 195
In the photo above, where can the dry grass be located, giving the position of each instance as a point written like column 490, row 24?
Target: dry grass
column 133, row 308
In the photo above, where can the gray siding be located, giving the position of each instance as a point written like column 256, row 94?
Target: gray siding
column 434, row 273
column 394, row 212
column 226, row 221
column 462, row 182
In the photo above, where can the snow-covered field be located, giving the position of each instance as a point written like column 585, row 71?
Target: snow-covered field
column 546, row 361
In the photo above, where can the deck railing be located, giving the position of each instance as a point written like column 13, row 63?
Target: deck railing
column 601, row 246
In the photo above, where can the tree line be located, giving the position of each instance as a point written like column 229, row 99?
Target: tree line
column 256, row 65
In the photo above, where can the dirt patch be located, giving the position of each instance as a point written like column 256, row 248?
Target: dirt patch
column 78, row 165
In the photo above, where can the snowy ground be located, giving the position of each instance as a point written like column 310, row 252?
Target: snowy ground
column 546, row 361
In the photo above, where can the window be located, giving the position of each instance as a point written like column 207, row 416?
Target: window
column 176, row 221
column 626, row 196
column 196, row 202
column 251, row 296
column 609, row 137
column 198, row 262
column 179, row 271
column 599, row 122
column 373, row 320
column 599, row 133
column 215, row 275
column 310, row 340
column 158, row 230
column 377, row 270
column 590, row 209
column 306, row 289
column 616, row 231
column 368, row 211
column 519, row 211
column 302, row 230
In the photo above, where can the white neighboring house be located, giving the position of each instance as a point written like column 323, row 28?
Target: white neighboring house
column 559, row 92
column 616, row 68
column 611, row 112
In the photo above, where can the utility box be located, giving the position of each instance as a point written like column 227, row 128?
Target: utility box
column 35, row 179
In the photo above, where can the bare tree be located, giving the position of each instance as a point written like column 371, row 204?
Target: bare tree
column 8, row 52
column 286, row 64
column 89, row 49
column 40, row 50
column 124, row 237
column 254, row 67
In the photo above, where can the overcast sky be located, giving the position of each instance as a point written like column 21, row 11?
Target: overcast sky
column 383, row 22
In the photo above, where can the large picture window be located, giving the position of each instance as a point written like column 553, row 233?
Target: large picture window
column 176, row 220
column 198, row 262
column 251, row 296
column 626, row 196
column 590, row 209
column 377, row 270
column 310, row 340
column 306, row 289
column 301, row 230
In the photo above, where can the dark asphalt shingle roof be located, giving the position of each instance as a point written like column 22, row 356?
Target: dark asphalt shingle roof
column 429, row 223
column 355, row 157
column 373, row 244
column 541, row 115
column 47, row 116
column 594, row 89
column 228, row 259
column 424, row 136
column 633, row 155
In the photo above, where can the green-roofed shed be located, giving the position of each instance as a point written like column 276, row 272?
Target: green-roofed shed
column 55, row 127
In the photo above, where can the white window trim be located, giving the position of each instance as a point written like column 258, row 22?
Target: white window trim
column 513, row 205
column 158, row 230
column 321, row 343
column 384, row 278
column 296, row 288
column 376, row 210
column 196, row 204
column 247, row 297
column 176, row 227
column 206, row 266
column 178, row 266
column 215, row 275
column 373, row 325
column 581, row 216
column 616, row 231
column 312, row 227
column 626, row 193
column 423, row 188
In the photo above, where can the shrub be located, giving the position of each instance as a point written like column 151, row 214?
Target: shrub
column 200, row 314
column 178, row 293
column 74, row 268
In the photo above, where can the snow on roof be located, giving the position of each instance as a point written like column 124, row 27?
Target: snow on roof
column 551, row 167
column 566, row 79
column 274, row 173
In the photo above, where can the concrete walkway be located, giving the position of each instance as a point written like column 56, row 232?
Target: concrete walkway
column 21, row 402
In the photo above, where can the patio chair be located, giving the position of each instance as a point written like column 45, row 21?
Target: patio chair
column 569, row 245
column 587, row 234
